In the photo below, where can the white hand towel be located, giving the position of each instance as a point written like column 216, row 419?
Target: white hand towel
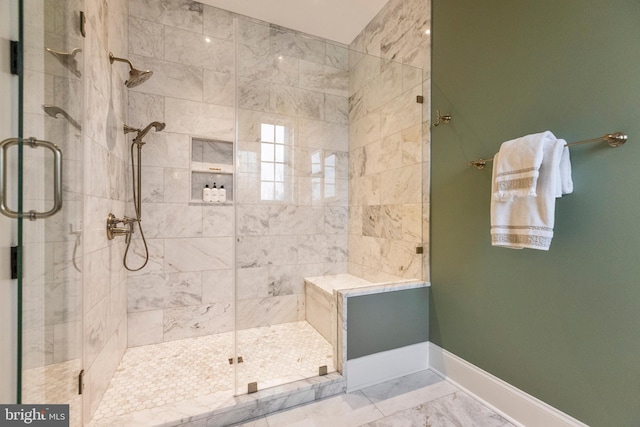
column 518, row 167
column 565, row 172
column 527, row 222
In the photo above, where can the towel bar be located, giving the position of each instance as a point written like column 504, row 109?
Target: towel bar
column 614, row 140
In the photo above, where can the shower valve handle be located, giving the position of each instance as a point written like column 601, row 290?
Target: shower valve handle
column 112, row 226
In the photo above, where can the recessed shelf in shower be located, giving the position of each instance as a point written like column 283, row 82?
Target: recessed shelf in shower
column 211, row 162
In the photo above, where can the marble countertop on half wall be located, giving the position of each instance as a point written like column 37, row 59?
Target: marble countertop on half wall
column 350, row 285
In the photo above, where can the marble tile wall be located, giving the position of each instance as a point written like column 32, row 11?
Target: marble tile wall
column 280, row 78
column 389, row 144
column 105, row 178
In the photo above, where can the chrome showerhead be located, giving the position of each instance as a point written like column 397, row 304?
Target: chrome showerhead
column 136, row 77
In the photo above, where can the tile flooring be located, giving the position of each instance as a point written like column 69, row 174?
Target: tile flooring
column 421, row 399
column 153, row 376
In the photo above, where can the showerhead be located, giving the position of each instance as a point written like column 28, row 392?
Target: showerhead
column 159, row 126
column 136, row 77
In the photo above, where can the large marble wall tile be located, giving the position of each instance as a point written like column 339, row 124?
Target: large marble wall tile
column 144, row 109
column 319, row 134
column 218, row 88
column 152, row 184
column 285, row 280
column 63, row 302
column 176, row 185
column 136, row 256
column 185, row 14
column 187, row 322
column 336, row 109
column 323, row 78
column 388, row 21
column 253, row 220
column 297, row 45
column 311, row 248
column 401, row 186
column 191, row 254
column 336, row 219
column 268, row 311
column 254, row 94
column 146, row 38
column 218, row 23
column 198, row 50
column 218, row 286
column 364, row 131
column 207, row 120
column 217, row 221
column 297, row 220
column 336, row 249
column 412, row 218
column 337, row 55
column 401, row 113
column 252, row 33
column 385, row 87
column 145, row 327
column 260, row 64
column 172, row 220
column 171, row 79
column 252, row 283
column 147, row 292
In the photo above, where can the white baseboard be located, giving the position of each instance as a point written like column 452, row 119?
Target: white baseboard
column 386, row 365
column 512, row 403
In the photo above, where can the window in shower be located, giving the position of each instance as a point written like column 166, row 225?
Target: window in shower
column 272, row 162
column 323, row 175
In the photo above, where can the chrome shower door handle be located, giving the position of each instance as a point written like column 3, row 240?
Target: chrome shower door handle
column 57, row 178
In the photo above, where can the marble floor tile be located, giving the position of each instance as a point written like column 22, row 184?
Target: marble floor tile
column 457, row 409
column 420, row 399
column 346, row 410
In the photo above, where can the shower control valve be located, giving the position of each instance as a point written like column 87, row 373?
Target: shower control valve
column 112, row 226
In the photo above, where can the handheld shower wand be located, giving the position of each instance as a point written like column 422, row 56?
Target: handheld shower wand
column 112, row 221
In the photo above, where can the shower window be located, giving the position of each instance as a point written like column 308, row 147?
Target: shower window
column 323, row 176
column 272, row 162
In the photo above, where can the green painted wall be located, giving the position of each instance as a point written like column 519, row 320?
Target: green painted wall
column 562, row 325
column 386, row 321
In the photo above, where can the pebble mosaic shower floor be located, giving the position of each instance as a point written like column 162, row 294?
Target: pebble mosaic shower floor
column 154, row 375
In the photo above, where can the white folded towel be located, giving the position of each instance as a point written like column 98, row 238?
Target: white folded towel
column 527, row 221
column 565, row 172
column 519, row 166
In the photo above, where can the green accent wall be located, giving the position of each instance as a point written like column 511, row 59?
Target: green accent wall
column 386, row 321
column 562, row 325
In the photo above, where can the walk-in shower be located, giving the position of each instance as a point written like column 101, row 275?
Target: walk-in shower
column 319, row 148
column 127, row 230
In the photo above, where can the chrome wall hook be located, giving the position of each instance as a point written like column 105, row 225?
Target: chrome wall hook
column 445, row 119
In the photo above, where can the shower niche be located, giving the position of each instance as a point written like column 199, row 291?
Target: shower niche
column 211, row 164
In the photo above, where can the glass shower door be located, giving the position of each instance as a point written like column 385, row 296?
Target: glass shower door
column 50, row 209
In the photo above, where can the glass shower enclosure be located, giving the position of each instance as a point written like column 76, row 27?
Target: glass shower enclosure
column 42, row 200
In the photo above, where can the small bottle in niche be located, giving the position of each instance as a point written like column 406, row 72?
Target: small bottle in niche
column 206, row 193
column 222, row 194
column 214, row 194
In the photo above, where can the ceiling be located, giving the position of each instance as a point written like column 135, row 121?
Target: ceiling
column 337, row 20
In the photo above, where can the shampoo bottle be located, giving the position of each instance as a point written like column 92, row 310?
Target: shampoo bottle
column 222, row 194
column 206, row 193
column 214, row 193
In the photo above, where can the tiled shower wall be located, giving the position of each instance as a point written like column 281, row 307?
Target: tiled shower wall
column 388, row 144
column 105, row 171
column 284, row 79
